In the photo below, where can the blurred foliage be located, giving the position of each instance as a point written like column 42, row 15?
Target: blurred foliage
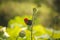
column 14, row 32
column 17, row 10
column 38, row 2
column 19, row 20
column 57, row 5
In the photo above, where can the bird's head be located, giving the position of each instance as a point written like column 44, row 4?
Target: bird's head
column 25, row 19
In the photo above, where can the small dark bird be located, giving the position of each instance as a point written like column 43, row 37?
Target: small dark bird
column 28, row 22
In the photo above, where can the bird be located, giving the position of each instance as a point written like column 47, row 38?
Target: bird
column 27, row 21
